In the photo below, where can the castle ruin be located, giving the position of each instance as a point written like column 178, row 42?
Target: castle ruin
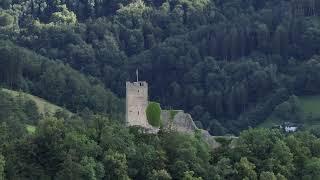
column 177, row 120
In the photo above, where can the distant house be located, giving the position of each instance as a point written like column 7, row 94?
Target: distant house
column 289, row 127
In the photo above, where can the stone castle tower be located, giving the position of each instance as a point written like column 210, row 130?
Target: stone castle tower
column 136, row 103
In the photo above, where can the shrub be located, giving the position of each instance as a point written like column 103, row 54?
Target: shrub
column 153, row 113
column 6, row 19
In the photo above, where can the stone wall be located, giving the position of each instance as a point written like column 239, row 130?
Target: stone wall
column 136, row 104
column 178, row 120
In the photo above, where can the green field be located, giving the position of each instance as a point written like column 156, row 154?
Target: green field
column 44, row 106
column 310, row 105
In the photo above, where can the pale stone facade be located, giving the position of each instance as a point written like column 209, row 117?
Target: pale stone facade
column 136, row 103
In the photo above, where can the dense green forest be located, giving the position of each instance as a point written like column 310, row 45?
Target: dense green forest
column 232, row 64
column 93, row 147
column 228, row 63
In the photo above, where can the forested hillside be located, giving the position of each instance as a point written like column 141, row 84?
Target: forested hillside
column 93, row 147
column 232, row 64
column 228, row 63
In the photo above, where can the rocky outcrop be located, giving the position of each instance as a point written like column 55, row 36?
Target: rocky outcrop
column 177, row 120
column 180, row 121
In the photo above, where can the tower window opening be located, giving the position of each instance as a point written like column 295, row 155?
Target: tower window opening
column 138, row 112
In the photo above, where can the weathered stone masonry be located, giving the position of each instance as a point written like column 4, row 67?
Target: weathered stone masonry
column 136, row 103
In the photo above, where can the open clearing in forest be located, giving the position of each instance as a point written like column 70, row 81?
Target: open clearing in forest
column 310, row 105
column 43, row 105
